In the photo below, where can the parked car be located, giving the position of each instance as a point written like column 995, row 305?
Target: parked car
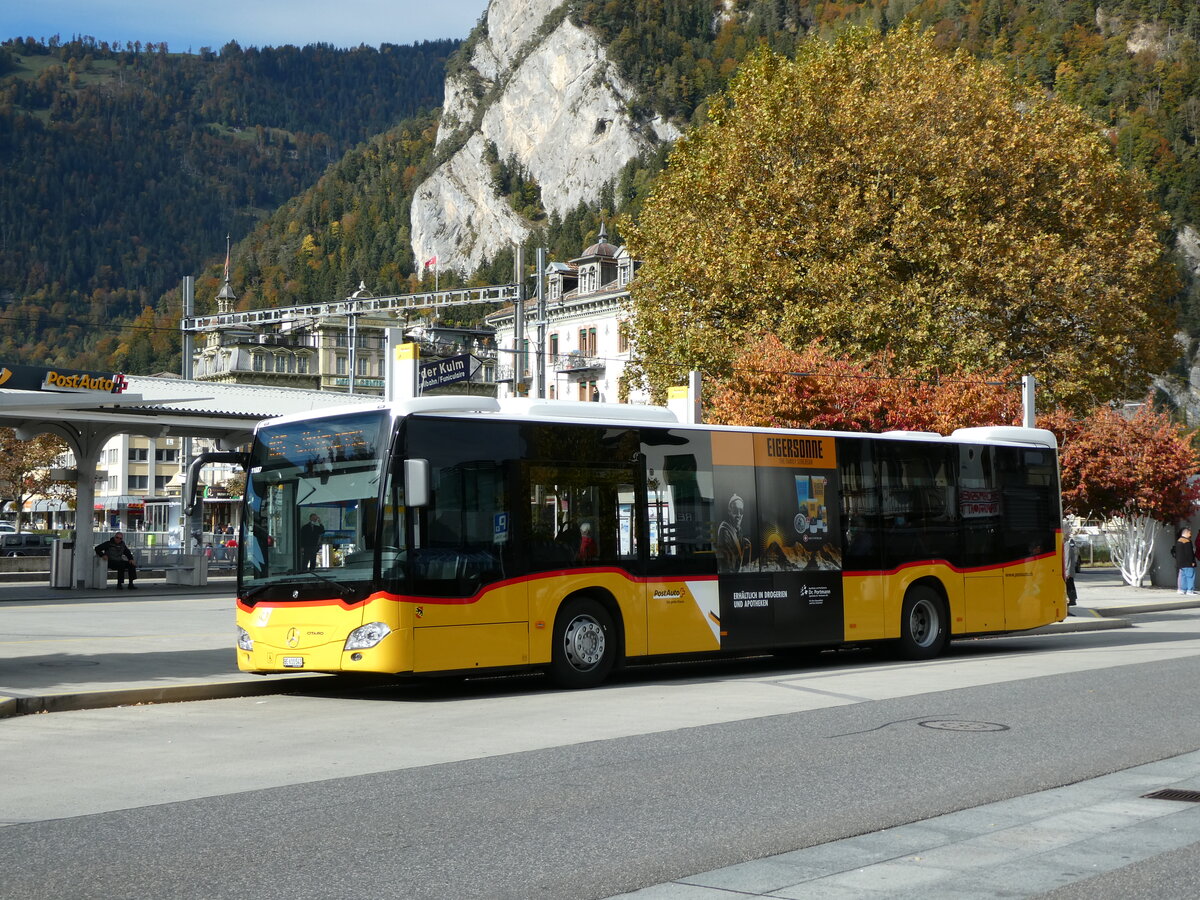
column 23, row 544
column 7, row 527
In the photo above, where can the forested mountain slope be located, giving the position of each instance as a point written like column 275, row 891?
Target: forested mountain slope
column 122, row 169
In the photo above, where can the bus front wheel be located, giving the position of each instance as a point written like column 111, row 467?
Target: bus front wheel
column 924, row 628
column 585, row 645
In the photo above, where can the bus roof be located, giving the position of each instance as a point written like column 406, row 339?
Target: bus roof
column 634, row 415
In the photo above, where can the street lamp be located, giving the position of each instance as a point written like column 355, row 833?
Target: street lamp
column 352, row 315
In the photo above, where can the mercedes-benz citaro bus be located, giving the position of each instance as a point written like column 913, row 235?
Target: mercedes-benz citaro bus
column 462, row 534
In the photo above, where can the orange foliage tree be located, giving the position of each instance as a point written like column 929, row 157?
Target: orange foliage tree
column 25, row 470
column 1133, row 471
column 1118, row 465
column 815, row 388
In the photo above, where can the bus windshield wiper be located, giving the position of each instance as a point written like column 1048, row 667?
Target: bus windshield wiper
column 342, row 588
column 253, row 592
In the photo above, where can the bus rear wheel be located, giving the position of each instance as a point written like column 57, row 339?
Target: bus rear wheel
column 924, row 629
column 585, row 646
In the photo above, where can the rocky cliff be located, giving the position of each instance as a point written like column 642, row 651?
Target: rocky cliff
column 541, row 91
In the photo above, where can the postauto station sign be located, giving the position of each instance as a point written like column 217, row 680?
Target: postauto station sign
column 71, row 381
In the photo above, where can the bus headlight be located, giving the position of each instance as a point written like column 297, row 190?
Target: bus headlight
column 367, row 636
column 245, row 642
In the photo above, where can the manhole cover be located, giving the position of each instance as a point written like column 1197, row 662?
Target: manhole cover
column 959, row 725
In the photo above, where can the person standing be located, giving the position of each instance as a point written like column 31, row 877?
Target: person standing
column 1185, row 561
column 310, row 542
column 120, row 558
column 1070, row 563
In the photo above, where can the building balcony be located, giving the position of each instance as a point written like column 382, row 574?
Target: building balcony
column 267, row 339
column 576, row 363
column 503, row 374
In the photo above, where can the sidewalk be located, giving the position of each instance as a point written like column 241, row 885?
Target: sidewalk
column 79, row 649
column 88, row 649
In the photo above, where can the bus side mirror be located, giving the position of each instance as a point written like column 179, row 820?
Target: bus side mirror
column 416, row 482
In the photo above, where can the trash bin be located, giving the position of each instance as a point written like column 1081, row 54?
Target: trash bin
column 62, row 568
column 62, row 564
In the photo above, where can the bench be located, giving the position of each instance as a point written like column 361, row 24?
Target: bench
column 191, row 569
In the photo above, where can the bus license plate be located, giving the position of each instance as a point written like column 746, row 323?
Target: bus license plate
column 293, row 662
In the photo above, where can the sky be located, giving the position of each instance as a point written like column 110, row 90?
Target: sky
column 186, row 25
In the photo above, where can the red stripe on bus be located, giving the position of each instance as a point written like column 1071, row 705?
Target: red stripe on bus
column 961, row 570
column 478, row 595
column 607, row 570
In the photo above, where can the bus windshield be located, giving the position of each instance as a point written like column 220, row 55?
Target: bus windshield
column 312, row 492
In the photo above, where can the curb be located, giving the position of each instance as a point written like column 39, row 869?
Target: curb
column 1117, row 611
column 11, row 593
column 1071, row 624
column 179, row 693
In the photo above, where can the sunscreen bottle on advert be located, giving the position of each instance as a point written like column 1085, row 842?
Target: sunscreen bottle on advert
column 802, row 493
column 818, row 486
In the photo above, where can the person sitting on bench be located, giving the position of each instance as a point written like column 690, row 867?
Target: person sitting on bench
column 119, row 557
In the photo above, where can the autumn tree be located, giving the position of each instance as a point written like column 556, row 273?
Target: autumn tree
column 1116, row 464
column 814, row 388
column 886, row 196
column 1131, row 470
column 236, row 484
column 25, row 469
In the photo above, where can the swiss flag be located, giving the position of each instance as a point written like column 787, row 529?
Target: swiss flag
column 432, row 261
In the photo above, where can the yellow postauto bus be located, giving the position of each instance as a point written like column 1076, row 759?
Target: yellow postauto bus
column 461, row 534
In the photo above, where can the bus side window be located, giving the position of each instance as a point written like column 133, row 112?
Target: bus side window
column 459, row 552
column 860, row 504
column 391, row 534
column 580, row 515
column 919, row 503
column 679, row 502
column 1030, row 497
column 979, row 506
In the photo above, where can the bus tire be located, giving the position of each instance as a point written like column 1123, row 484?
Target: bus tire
column 924, row 625
column 585, row 644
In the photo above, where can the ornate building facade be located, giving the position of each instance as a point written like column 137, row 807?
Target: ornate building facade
column 583, row 342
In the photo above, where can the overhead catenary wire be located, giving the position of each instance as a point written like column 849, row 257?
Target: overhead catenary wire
column 682, row 367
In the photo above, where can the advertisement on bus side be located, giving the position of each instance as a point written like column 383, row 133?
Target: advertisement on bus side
column 778, row 542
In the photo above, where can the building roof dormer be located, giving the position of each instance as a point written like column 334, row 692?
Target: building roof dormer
column 602, row 249
column 597, row 267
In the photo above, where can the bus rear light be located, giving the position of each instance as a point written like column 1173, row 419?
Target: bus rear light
column 367, row 636
column 244, row 641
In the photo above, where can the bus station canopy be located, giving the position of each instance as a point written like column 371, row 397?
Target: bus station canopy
column 156, row 407
column 88, row 409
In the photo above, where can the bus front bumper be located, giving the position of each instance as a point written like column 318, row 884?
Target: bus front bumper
column 262, row 655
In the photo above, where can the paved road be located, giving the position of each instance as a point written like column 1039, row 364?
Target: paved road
column 507, row 788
